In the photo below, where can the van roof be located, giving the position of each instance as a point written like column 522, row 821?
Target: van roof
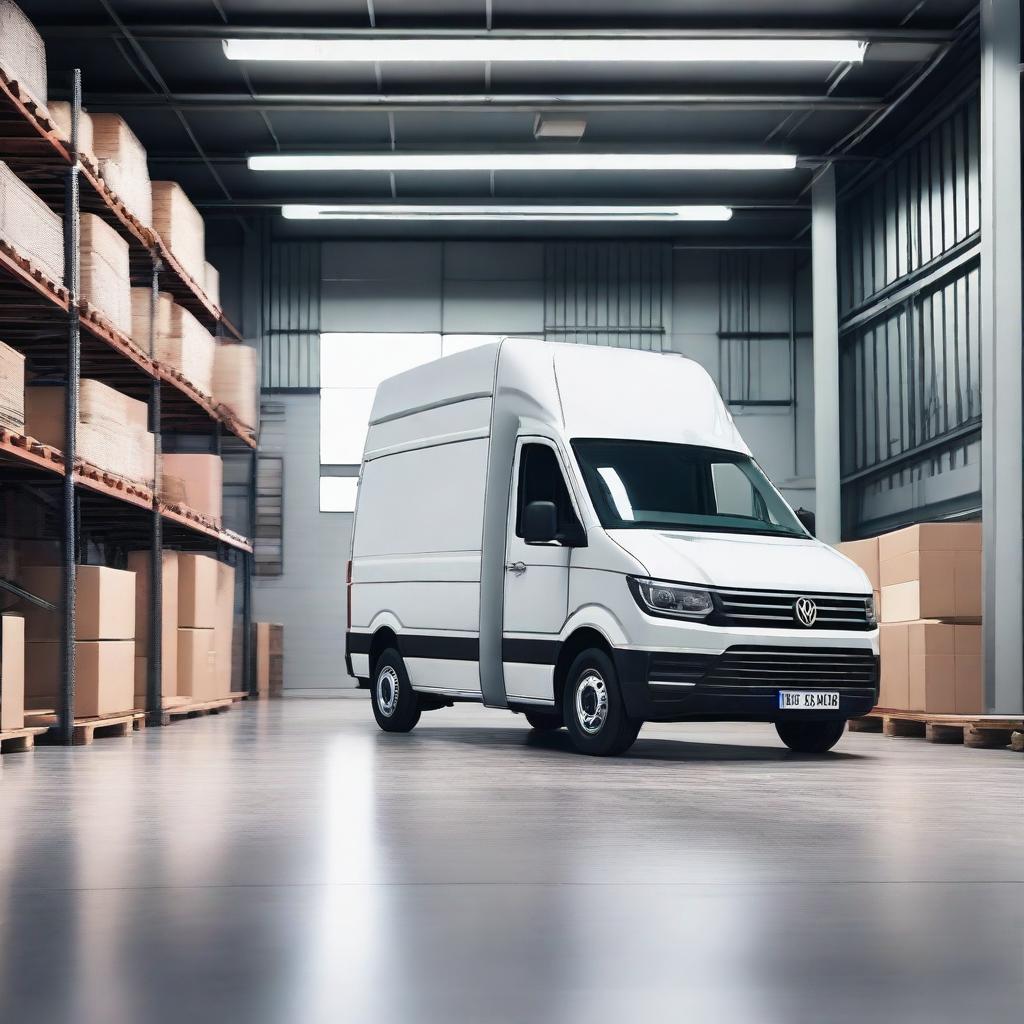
column 578, row 390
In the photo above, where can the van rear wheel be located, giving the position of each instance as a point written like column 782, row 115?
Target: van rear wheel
column 592, row 707
column 811, row 737
column 395, row 704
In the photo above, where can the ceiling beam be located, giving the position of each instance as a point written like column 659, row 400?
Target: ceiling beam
column 184, row 32
column 515, row 102
column 274, row 202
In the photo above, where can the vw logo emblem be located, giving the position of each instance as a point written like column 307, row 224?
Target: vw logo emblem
column 806, row 611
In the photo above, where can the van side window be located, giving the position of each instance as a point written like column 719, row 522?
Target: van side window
column 540, row 479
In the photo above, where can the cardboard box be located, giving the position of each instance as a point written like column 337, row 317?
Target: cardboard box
column 105, row 283
column 22, row 51
column 104, row 676
column 139, row 563
column 111, row 428
column 945, row 668
column 197, row 664
column 104, row 603
column 894, row 653
column 181, row 227
column 12, row 672
column 197, row 591
column 195, row 480
column 224, row 629
column 181, row 342
column 865, row 554
column 122, row 164
column 931, row 571
column 235, row 382
column 12, row 388
column 30, row 226
column 269, row 644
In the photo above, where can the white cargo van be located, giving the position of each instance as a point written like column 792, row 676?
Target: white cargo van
column 580, row 534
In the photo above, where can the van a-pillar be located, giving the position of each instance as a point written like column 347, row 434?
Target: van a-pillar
column 1002, row 408
column 826, row 356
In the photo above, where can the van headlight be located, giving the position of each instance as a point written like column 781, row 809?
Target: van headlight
column 671, row 600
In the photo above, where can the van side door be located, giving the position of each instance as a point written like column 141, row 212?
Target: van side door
column 536, row 574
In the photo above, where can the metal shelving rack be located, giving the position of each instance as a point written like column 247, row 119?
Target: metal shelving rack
column 31, row 310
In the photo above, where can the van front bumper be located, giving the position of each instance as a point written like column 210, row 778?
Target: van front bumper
column 743, row 682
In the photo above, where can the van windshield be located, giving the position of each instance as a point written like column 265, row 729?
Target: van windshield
column 654, row 485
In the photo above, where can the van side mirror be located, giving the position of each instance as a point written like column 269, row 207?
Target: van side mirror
column 540, row 522
column 806, row 517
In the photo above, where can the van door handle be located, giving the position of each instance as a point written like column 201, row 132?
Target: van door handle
column 517, row 567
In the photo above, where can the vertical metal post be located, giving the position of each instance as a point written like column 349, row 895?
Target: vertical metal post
column 248, row 566
column 826, row 356
column 154, row 678
column 69, row 533
column 1002, row 416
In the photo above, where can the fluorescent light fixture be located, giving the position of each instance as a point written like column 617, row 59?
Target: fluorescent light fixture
column 507, row 212
column 390, row 161
column 546, row 49
column 571, row 128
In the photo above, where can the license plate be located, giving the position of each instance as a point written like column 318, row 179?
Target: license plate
column 808, row 700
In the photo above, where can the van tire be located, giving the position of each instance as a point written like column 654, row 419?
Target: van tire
column 395, row 704
column 811, row 737
column 604, row 730
column 544, row 721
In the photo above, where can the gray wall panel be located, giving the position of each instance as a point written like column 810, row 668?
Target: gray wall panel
column 493, row 307
column 377, row 304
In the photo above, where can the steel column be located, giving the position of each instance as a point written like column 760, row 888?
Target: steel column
column 154, row 678
column 826, row 356
column 69, row 532
column 1001, row 385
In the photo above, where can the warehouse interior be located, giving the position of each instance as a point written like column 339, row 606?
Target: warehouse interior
column 223, row 223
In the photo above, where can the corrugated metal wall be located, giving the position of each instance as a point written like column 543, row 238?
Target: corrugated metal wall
column 608, row 293
column 909, row 333
column 290, row 344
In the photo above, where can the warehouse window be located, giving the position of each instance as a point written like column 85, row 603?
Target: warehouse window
column 351, row 367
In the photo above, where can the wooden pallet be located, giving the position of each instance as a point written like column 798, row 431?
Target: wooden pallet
column 14, row 741
column 195, row 709
column 239, row 695
column 85, row 730
column 983, row 731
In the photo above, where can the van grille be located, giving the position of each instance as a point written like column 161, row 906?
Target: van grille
column 795, row 667
column 775, row 610
column 668, row 667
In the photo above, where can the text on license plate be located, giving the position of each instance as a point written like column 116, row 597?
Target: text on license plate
column 809, row 700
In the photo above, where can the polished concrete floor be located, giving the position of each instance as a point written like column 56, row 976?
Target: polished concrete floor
column 289, row 863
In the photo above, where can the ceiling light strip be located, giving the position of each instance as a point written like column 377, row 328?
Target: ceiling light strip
column 550, row 49
column 493, row 212
column 522, row 162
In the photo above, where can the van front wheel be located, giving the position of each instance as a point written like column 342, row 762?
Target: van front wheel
column 593, row 709
column 395, row 705
column 811, row 737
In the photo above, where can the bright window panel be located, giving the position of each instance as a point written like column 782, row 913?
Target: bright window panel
column 364, row 360
column 344, row 418
column 338, row 493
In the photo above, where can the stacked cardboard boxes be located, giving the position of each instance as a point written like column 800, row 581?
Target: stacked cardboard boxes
column 929, row 577
column 269, row 658
column 12, row 672
column 30, row 226
column 205, row 623
column 121, row 161
column 211, row 283
column 22, row 53
column 181, row 341
column 181, row 227
column 195, row 480
column 234, row 381
column 105, row 284
column 12, row 388
column 111, row 432
column 104, row 643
